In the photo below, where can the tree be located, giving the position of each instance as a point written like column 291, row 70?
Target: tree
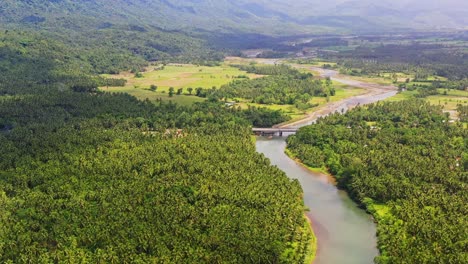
column 171, row 91
column 153, row 88
column 198, row 91
column 179, row 91
column 305, row 98
column 190, row 90
column 138, row 75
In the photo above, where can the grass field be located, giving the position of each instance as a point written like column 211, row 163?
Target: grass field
column 177, row 76
column 187, row 75
column 378, row 80
column 448, row 101
column 402, row 96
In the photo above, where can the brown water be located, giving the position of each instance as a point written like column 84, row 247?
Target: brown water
column 345, row 233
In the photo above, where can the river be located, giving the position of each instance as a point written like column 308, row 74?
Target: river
column 345, row 233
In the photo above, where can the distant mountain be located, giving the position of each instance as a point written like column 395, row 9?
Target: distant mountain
column 411, row 14
column 371, row 15
column 231, row 16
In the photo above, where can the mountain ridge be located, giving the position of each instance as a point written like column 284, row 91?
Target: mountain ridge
column 277, row 17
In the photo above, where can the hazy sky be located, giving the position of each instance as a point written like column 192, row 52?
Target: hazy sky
column 431, row 4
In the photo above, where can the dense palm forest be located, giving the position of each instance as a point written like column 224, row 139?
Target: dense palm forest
column 87, row 176
column 92, row 177
column 408, row 165
column 283, row 85
column 95, row 177
column 103, row 191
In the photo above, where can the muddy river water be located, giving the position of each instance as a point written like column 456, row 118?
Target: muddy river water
column 346, row 234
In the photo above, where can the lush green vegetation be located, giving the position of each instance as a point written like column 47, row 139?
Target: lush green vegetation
column 31, row 58
column 424, row 68
column 283, row 86
column 155, row 81
column 263, row 69
column 408, row 166
column 78, row 194
column 463, row 112
column 90, row 176
column 421, row 60
column 98, row 177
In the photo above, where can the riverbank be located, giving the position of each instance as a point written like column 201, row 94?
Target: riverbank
column 311, row 242
column 379, row 212
column 312, row 251
column 344, row 232
column 319, row 224
column 323, row 171
column 373, row 92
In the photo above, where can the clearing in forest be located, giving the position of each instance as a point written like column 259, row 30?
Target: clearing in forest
column 178, row 76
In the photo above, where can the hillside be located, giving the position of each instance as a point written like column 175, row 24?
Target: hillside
column 260, row 16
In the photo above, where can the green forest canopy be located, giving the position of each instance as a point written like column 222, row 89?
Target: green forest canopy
column 97, row 177
column 408, row 165
column 87, row 176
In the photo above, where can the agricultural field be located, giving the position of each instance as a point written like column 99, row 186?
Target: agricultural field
column 177, row 76
column 192, row 76
column 449, row 99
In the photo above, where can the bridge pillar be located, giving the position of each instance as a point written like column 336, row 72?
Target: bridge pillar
column 281, row 133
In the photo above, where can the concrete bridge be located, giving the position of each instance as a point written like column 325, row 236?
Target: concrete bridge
column 273, row 131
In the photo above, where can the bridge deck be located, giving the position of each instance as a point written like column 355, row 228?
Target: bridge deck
column 275, row 130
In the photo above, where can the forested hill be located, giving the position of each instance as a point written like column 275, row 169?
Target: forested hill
column 179, row 15
column 242, row 16
column 110, row 35
column 123, row 34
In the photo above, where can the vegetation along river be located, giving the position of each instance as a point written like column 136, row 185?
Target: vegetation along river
column 345, row 233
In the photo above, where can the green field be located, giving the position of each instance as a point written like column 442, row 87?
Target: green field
column 187, row 75
column 450, row 101
column 177, row 76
